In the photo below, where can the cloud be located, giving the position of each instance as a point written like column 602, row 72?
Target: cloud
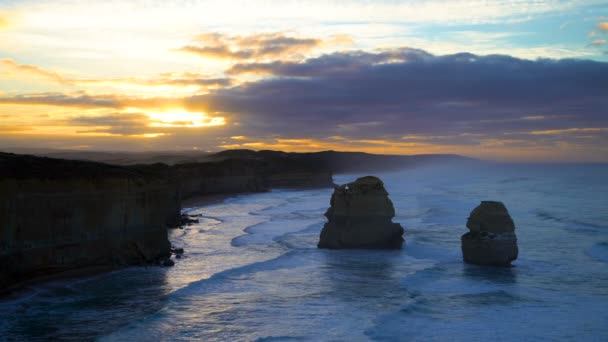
column 603, row 26
column 58, row 99
column 116, row 119
column 598, row 42
column 372, row 100
column 33, row 70
column 409, row 91
column 569, row 130
column 137, row 123
column 257, row 46
column 85, row 100
column 117, row 123
column 184, row 79
column 331, row 64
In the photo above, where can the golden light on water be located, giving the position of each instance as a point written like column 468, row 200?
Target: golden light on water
column 181, row 118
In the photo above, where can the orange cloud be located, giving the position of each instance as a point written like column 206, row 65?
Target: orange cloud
column 570, row 130
column 81, row 100
column 33, row 70
column 257, row 46
column 184, row 79
column 85, row 100
column 603, row 26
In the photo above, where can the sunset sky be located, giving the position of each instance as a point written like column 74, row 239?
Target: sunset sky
column 504, row 80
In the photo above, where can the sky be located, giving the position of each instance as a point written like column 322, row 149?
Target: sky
column 502, row 80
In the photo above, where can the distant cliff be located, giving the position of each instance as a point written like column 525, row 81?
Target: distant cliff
column 334, row 161
column 236, row 174
column 60, row 215
column 342, row 162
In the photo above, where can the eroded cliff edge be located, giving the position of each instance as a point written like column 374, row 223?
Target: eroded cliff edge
column 61, row 215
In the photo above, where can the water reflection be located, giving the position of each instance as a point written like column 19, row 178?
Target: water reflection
column 352, row 275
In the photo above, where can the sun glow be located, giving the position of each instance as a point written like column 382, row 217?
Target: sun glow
column 180, row 118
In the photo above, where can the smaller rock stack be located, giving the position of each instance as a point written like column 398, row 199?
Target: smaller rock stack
column 491, row 240
column 360, row 216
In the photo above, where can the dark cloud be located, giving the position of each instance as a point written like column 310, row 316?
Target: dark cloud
column 116, row 123
column 412, row 91
column 117, row 119
column 387, row 99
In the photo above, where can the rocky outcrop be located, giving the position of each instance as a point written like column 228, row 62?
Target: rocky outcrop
column 59, row 215
column 491, row 240
column 360, row 216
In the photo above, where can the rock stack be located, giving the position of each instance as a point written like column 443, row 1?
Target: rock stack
column 360, row 217
column 491, row 240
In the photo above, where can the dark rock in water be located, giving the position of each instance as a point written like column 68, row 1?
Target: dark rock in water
column 168, row 263
column 491, row 240
column 360, row 217
column 491, row 217
column 177, row 251
column 178, row 256
column 185, row 220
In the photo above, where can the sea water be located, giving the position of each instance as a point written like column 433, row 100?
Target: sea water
column 252, row 272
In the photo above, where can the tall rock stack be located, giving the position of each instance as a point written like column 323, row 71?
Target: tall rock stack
column 360, row 216
column 491, row 240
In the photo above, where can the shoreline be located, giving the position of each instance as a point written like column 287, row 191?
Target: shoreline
column 20, row 289
column 17, row 290
column 206, row 200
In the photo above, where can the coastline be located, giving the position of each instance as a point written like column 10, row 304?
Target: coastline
column 206, row 200
column 19, row 289
column 152, row 197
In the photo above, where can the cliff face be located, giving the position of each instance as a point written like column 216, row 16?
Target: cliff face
column 249, row 174
column 58, row 215
column 225, row 177
column 340, row 162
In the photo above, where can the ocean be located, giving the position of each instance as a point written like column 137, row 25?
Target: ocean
column 252, row 272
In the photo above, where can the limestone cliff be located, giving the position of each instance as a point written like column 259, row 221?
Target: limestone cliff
column 245, row 173
column 58, row 215
column 224, row 177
